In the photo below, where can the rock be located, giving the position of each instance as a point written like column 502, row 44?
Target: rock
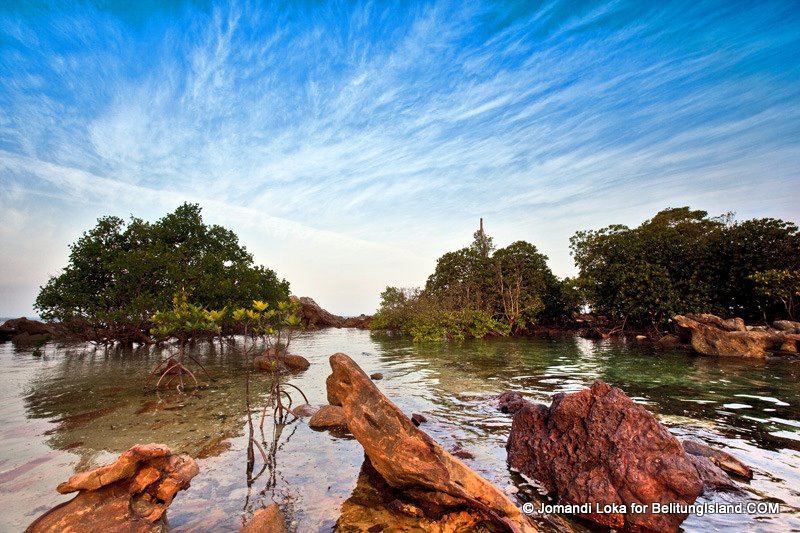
column 313, row 316
column 270, row 519
column 511, row 402
column 598, row 446
column 269, row 363
column 712, row 476
column 713, row 336
column 31, row 327
column 328, row 416
column 723, row 460
column 409, row 460
column 304, row 410
column 269, row 360
column 376, row 376
column 418, row 419
column 359, row 322
column 296, row 362
column 130, row 495
column 330, row 389
column 668, row 341
column 788, row 326
column 375, row 507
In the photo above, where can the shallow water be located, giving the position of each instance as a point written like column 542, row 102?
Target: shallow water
column 68, row 409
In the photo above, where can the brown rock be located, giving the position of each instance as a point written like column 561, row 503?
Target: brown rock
column 418, row 419
column 328, row 416
column 713, row 336
column 511, row 402
column 130, row 495
column 723, row 460
column 304, row 410
column 598, row 446
column 409, row 460
column 31, row 327
column 295, row 362
column 269, row 361
column 376, row 376
column 270, row 519
column 360, row 322
column 376, row 507
column 313, row 316
column 330, row 389
column 668, row 341
column 789, row 326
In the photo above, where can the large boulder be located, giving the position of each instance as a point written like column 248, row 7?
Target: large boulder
column 410, row 461
column 313, row 316
column 598, row 446
column 713, row 336
column 130, row 495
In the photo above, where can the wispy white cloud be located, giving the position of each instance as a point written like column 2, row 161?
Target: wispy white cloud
column 341, row 131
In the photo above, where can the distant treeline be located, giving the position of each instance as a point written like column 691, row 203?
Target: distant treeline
column 680, row 261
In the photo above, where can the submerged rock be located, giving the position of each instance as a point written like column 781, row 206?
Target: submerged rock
column 304, row 410
column 130, row 495
column 410, row 461
column 598, row 446
column 328, row 416
column 375, row 506
column 270, row 519
column 723, row 460
column 712, row 335
column 282, row 362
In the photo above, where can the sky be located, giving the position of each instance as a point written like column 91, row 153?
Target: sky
column 351, row 144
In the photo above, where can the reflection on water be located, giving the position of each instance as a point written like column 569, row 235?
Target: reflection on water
column 64, row 410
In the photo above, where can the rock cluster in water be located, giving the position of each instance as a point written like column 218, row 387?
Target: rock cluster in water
column 712, row 335
column 597, row 446
column 313, row 316
column 427, row 482
column 130, row 495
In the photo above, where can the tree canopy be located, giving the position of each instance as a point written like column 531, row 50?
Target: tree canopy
column 475, row 291
column 119, row 275
column 683, row 261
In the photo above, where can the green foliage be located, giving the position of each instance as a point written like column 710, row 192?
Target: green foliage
column 276, row 324
column 122, row 274
column 781, row 285
column 681, row 261
column 185, row 320
column 474, row 292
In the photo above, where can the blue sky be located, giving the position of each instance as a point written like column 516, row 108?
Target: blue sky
column 351, row 144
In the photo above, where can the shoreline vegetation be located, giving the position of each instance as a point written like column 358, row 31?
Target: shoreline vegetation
column 180, row 281
column 631, row 282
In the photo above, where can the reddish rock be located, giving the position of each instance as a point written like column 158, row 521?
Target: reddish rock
column 408, row 460
column 723, row 460
column 313, row 316
column 328, row 416
column 130, row 495
column 267, row 520
column 376, row 376
column 598, row 446
column 304, row 410
column 359, row 322
column 269, row 361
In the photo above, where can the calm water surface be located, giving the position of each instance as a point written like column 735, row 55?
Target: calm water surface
column 66, row 409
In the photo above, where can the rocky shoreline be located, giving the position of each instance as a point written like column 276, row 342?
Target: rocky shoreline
column 595, row 452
